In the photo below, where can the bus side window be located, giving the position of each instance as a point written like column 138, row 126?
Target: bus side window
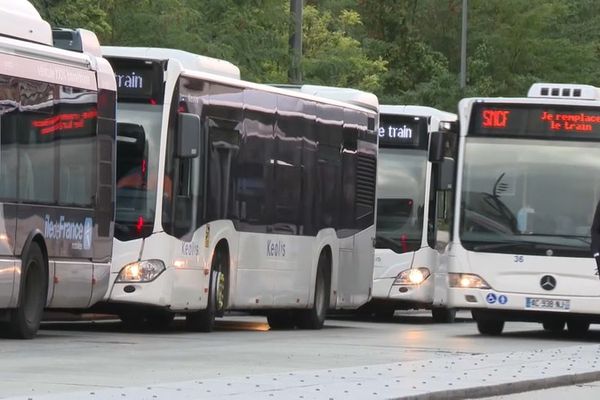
column 8, row 137
column 38, row 142
column 439, row 227
column 431, row 218
column 187, row 190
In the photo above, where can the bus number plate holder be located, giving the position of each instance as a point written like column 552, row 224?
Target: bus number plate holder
column 535, row 303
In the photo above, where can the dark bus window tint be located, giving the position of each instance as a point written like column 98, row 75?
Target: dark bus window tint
column 254, row 170
column 9, row 104
column 132, row 177
column 224, row 137
column 77, row 113
column 309, row 167
column 224, row 119
column 366, row 171
column 329, row 174
column 38, row 128
column 287, row 165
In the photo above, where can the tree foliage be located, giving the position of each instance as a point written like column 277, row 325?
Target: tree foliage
column 405, row 51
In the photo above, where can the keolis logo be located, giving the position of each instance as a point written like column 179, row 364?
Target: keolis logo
column 275, row 248
column 62, row 229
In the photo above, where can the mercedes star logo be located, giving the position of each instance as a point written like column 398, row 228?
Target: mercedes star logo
column 548, row 282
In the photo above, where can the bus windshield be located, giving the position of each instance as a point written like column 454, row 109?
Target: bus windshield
column 138, row 139
column 529, row 196
column 401, row 199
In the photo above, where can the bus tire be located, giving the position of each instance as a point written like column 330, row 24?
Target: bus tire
column 384, row 314
column 159, row 319
column 314, row 318
column 281, row 320
column 24, row 321
column 443, row 315
column 578, row 327
column 204, row 320
column 132, row 319
column 554, row 325
column 490, row 327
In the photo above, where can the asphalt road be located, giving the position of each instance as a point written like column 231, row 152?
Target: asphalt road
column 76, row 356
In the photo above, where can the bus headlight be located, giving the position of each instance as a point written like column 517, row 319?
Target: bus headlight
column 141, row 271
column 413, row 276
column 465, row 281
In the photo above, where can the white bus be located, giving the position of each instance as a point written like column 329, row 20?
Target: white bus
column 528, row 181
column 57, row 139
column 237, row 196
column 408, row 274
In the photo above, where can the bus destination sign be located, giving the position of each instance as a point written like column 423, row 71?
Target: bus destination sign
column 544, row 121
column 138, row 80
column 402, row 131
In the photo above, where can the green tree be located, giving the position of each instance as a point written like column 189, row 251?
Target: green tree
column 88, row 14
column 333, row 57
column 392, row 34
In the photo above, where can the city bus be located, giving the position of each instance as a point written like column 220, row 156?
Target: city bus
column 57, row 140
column 237, row 196
column 527, row 184
column 408, row 274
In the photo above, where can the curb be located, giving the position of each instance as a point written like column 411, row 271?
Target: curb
column 507, row 388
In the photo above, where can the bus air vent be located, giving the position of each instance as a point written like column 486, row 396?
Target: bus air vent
column 564, row 91
column 79, row 40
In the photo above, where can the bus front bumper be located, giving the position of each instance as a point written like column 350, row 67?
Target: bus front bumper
column 528, row 303
column 154, row 293
column 385, row 291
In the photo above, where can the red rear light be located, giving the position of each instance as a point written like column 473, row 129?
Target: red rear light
column 182, row 107
column 403, row 242
column 140, row 225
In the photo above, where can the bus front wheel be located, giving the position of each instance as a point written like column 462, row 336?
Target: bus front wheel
column 25, row 319
column 281, row 320
column 578, row 327
column 490, row 327
column 159, row 319
column 443, row 315
column 204, row 320
column 554, row 325
column 314, row 318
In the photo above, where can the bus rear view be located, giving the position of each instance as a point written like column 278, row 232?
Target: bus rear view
column 528, row 183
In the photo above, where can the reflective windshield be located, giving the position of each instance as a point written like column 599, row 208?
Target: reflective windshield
column 401, row 177
column 529, row 196
column 138, row 139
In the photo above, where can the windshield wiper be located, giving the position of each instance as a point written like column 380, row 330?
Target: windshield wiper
column 502, row 245
column 387, row 241
column 584, row 239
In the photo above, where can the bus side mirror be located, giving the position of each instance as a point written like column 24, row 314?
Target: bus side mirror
column 188, row 136
column 446, row 174
column 436, row 147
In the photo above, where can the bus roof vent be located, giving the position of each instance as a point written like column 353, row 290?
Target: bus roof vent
column 564, row 91
column 347, row 95
column 80, row 40
column 20, row 19
column 188, row 60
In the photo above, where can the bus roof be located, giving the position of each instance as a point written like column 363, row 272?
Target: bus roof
column 419, row 111
column 19, row 19
column 189, row 61
column 547, row 93
column 347, row 95
column 564, row 91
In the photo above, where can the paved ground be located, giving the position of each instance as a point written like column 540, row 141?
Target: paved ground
column 71, row 357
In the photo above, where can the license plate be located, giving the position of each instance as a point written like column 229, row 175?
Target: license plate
column 547, row 304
